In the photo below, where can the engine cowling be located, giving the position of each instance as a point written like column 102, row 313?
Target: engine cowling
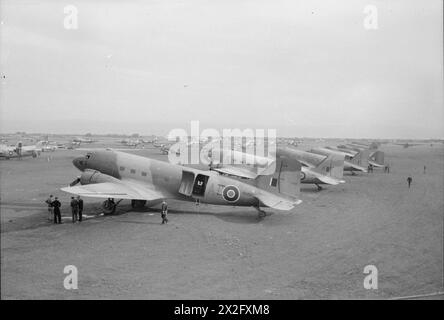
column 93, row 176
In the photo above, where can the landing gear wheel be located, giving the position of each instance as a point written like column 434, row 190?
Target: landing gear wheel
column 260, row 213
column 109, row 207
column 319, row 187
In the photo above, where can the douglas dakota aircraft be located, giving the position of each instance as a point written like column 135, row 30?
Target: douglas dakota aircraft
column 113, row 174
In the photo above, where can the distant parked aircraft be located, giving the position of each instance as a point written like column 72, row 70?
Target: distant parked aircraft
column 18, row 151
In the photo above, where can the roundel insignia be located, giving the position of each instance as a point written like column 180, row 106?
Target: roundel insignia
column 302, row 175
column 231, row 193
column 11, row 153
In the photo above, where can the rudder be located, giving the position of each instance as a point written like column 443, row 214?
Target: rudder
column 285, row 180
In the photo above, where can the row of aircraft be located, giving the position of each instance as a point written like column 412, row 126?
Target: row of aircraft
column 20, row 150
column 250, row 180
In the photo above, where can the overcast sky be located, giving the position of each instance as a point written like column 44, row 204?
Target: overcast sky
column 305, row 68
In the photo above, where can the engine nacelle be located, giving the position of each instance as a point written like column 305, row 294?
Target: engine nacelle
column 93, row 176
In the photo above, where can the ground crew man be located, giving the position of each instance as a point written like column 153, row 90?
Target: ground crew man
column 50, row 208
column 164, row 212
column 56, row 205
column 424, row 169
column 74, row 209
column 80, row 203
column 409, row 181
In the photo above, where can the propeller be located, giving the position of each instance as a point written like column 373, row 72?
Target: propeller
column 76, row 181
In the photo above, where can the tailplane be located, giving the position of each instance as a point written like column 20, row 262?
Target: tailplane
column 376, row 158
column 361, row 158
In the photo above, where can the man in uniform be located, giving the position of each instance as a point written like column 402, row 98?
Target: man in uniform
column 409, row 181
column 56, row 205
column 50, row 207
column 80, row 203
column 164, row 212
column 74, row 209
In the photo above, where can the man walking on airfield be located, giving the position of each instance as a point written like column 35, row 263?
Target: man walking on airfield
column 409, row 181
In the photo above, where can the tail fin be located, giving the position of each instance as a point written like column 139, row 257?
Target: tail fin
column 361, row 159
column 332, row 165
column 285, row 181
column 377, row 157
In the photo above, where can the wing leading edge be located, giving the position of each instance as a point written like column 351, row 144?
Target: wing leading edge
column 121, row 190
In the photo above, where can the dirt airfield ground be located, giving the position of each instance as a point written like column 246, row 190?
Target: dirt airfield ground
column 318, row 250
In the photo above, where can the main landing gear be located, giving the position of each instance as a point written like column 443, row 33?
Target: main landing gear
column 260, row 213
column 109, row 206
column 319, row 187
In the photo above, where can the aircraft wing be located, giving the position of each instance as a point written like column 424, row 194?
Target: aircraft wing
column 121, row 190
column 276, row 202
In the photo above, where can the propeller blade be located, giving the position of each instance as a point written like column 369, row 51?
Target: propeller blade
column 76, row 181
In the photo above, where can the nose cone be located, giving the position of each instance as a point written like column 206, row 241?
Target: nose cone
column 79, row 163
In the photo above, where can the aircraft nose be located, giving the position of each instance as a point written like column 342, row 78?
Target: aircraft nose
column 79, row 163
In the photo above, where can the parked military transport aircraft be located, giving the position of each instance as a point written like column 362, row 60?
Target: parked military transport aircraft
column 375, row 157
column 352, row 163
column 113, row 174
column 407, row 144
column 83, row 140
column 317, row 169
column 18, row 151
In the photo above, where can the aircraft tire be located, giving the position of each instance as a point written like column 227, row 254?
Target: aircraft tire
column 108, row 208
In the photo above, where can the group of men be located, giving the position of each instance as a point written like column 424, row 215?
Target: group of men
column 77, row 209
column 54, row 213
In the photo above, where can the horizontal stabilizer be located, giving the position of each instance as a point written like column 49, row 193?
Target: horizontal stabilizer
column 354, row 166
column 276, row 202
column 121, row 190
column 374, row 164
column 324, row 178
